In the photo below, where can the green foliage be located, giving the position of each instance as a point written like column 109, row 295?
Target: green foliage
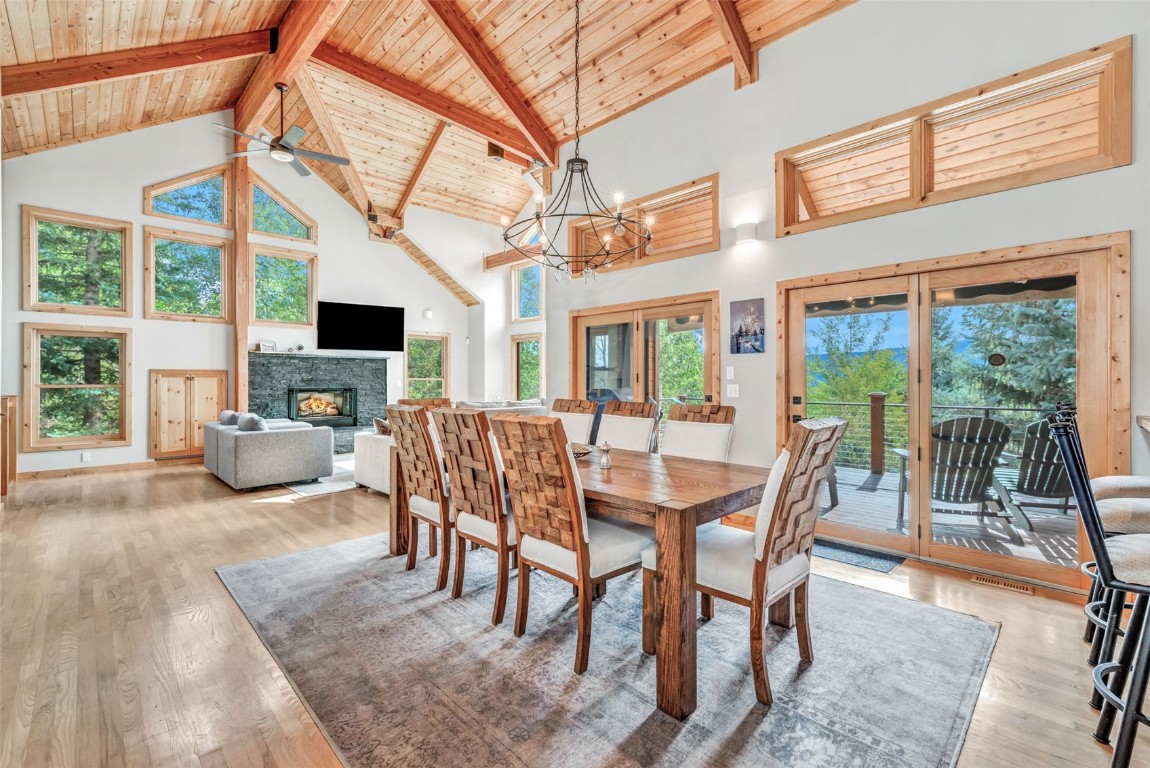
column 281, row 289
column 529, row 292
column 680, row 363
column 855, row 360
column 527, row 376
column 271, row 217
column 79, row 411
column 79, row 360
column 424, row 367
column 203, row 201
column 78, row 265
column 425, row 388
column 188, row 278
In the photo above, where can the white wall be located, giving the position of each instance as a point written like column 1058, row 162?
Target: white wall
column 867, row 61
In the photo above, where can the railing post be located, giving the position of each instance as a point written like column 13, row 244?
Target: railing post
column 877, row 431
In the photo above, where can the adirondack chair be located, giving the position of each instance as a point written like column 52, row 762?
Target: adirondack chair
column 1039, row 473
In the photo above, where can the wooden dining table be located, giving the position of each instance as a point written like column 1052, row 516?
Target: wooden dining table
column 674, row 496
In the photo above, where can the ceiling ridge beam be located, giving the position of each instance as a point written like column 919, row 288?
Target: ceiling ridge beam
column 738, row 43
column 413, row 182
column 491, row 70
column 430, row 102
column 304, row 26
column 437, row 272
column 132, row 62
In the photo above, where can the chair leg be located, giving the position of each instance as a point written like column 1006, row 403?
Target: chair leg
column 432, row 545
column 521, row 600
column 501, row 580
column 514, row 559
column 649, row 608
column 460, row 563
column 1094, row 595
column 445, row 558
column 1132, row 711
column 802, row 622
column 1102, row 648
column 781, row 612
column 758, row 657
column 1117, row 680
column 583, row 644
column 707, row 604
column 413, row 541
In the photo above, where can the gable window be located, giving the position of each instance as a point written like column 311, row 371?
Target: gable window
column 274, row 214
column 186, row 276
column 527, row 366
column 201, row 196
column 427, row 365
column 284, row 285
column 527, row 293
column 76, row 385
column 76, row 263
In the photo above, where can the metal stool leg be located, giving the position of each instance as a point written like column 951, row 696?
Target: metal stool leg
column 1113, row 675
column 1132, row 710
column 1094, row 595
column 1102, row 649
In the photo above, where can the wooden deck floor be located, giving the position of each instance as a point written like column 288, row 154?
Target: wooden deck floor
column 871, row 501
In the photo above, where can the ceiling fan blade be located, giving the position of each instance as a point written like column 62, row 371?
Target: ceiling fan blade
column 293, row 137
column 248, row 153
column 322, row 157
column 300, row 168
column 241, row 133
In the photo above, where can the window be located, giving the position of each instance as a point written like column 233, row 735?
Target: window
column 76, row 385
column 427, row 365
column 201, row 196
column 527, row 366
column 527, row 293
column 186, row 276
column 1066, row 118
column 273, row 214
column 284, row 283
column 75, row 263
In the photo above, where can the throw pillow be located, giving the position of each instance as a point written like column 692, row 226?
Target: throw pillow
column 228, row 418
column 249, row 422
column 381, row 426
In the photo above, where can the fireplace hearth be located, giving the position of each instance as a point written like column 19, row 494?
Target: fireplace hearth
column 323, row 406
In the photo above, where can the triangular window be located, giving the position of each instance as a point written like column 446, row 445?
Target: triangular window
column 274, row 214
column 201, row 196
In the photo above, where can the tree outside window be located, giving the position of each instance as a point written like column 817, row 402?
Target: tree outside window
column 527, row 357
column 186, row 276
column 527, row 292
column 77, row 263
column 427, row 366
column 284, row 286
column 274, row 214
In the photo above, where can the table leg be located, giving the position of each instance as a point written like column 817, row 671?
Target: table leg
column 676, row 643
column 397, row 516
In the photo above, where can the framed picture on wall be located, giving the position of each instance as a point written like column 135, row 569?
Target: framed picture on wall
column 267, row 345
column 748, row 327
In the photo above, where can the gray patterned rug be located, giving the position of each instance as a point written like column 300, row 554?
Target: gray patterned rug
column 400, row 675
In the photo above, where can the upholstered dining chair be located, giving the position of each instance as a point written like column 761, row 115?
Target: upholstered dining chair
column 628, row 425
column 426, row 402
column 771, row 564
column 555, row 534
column 421, row 464
column 578, row 417
column 477, row 495
column 698, row 431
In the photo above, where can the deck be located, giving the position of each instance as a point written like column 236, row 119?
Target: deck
column 870, row 501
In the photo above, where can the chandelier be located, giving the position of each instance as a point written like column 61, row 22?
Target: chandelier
column 604, row 236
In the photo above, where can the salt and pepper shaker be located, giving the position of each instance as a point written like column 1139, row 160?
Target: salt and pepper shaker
column 604, row 456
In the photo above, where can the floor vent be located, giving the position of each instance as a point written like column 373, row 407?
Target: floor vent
column 1014, row 586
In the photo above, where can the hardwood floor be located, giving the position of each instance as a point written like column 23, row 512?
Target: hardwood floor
column 121, row 647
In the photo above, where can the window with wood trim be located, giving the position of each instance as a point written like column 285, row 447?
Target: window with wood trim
column 527, row 366
column 684, row 222
column 273, row 214
column 284, row 286
column 76, row 263
column 203, row 196
column 527, row 293
column 77, row 387
column 428, row 365
column 1066, row 118
column 186, row 276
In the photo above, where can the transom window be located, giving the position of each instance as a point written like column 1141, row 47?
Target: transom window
column 201, row 196
column 186, row 276
column 427, row 365
column 527, row 293
column 274, row 214
column 284, row 285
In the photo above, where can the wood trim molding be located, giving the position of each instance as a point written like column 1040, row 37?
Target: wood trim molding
column 443, row 337
column 243, row 289
column 255, row 180
column 312, row 260
column 151, row 234
column 514, row 277
column 155, row 190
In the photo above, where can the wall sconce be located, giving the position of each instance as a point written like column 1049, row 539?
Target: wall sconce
column 428, row 314
column 746, row 232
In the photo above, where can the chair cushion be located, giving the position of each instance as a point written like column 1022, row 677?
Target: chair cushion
column 725, row 560
column 577, row 426
column 228, row 417
column 694, row 440
column 424, row 508
column 1125, row 515
column 1130, row 556
column 626, row 432
column 1121, row 487
column 770, row 497
column 474, row 525
column 250, row 422
column 612, row 545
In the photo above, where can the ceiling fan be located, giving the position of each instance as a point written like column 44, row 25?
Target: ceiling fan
column 285, row 147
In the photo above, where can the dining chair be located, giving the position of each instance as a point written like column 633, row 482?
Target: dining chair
column 477, row 495
column 628, row 425
column 426, row 402
column 578, row 417
column 698, row 431
column 764, row 567
column 424, row 482
column 555, row 534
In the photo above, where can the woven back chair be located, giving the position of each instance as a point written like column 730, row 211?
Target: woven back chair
column 699, row 431
column 630, row 408
column 426, row 402
column 580, row 418
column 631, row 426
column 706, row 413
column 567, row 405
column 421, row 467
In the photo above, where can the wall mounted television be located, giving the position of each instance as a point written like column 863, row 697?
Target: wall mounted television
column 359, row 327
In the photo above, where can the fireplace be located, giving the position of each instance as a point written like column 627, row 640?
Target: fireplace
column 323, row 406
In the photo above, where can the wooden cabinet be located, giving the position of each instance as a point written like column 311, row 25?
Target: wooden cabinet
column 181, row 403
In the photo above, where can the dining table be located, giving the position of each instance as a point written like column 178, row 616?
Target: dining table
column 674, row 495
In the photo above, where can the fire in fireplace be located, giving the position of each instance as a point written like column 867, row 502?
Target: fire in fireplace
column 328, row 406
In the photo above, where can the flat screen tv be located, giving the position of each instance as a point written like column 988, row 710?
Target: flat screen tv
column 359, row 327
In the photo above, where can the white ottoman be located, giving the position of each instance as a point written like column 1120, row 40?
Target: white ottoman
column 373, row 460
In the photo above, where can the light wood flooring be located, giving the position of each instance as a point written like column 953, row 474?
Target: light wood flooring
column 120, row 646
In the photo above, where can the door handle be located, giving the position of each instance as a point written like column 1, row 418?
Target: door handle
column 796, row 419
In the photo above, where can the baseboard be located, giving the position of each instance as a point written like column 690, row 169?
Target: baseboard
column 70, row 471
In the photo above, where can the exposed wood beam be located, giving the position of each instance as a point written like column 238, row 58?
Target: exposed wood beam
column 427, row 101
column 493, row 72
column 327, row 128
column 735, row 34
column 304, row 26
column 132, row 62
column 417, row 254
column 413, row 182
column 805, row 195
column 242, row 274
column 507, row 258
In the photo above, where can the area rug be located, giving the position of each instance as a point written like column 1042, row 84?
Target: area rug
column 397, row 674
column 342, row 480
column 863, row 558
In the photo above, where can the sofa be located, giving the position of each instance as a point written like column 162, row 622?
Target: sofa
column 211, row 441
column 285, row 453
column 373, row 461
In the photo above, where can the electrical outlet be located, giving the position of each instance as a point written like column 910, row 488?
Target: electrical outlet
column 730, row 372
column 732, row 390
column 86, row 456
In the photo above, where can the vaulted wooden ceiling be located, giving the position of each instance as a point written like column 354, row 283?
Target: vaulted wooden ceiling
column 412, row 91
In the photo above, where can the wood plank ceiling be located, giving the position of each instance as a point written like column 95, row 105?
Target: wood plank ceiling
column 413, row 95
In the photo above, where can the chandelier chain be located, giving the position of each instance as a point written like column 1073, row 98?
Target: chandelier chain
column 577, row 36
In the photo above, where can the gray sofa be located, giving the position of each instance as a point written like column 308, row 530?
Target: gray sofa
column 212, row 430
column 284, row 453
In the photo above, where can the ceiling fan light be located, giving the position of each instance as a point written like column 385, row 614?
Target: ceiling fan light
column 281, row 154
